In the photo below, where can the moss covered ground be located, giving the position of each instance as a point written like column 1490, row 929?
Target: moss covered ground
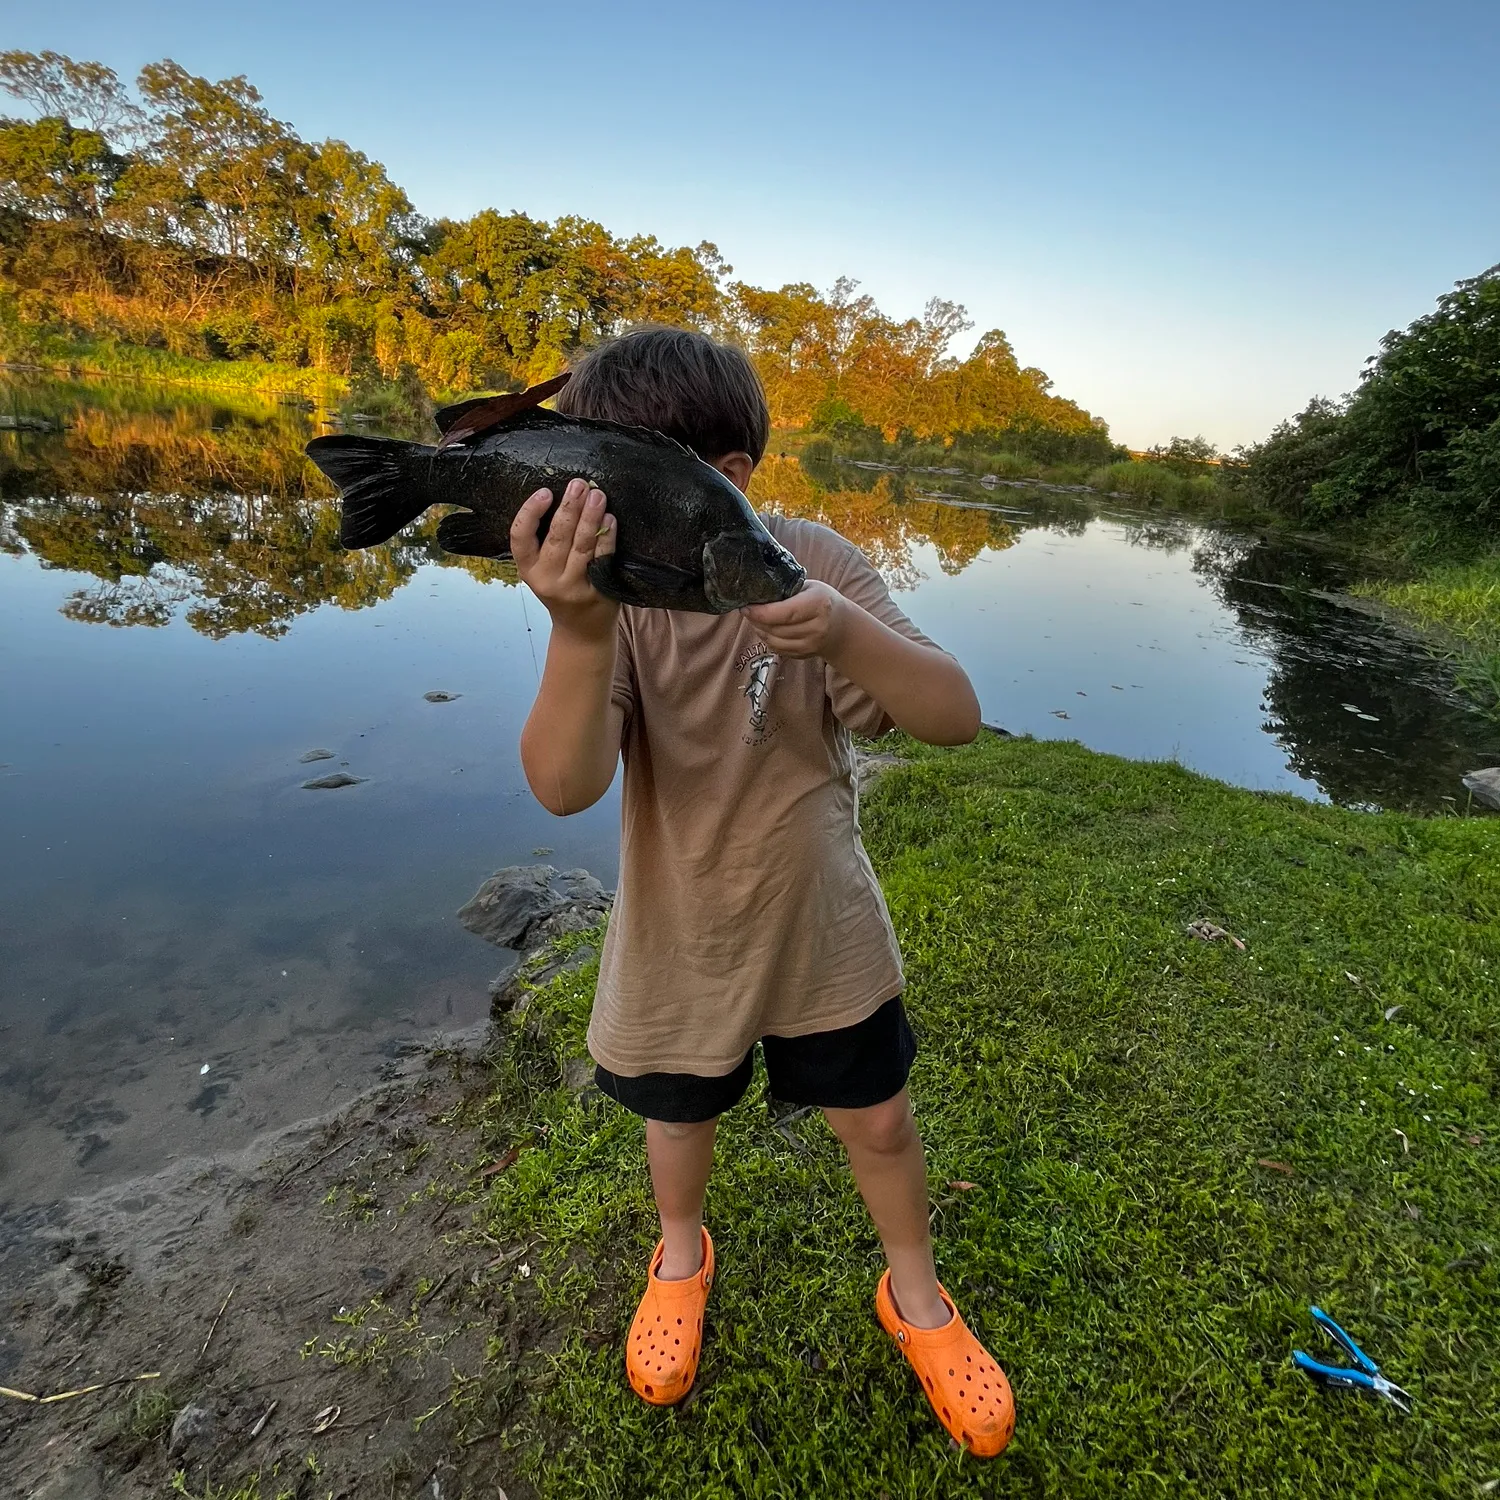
column 1149, row 1153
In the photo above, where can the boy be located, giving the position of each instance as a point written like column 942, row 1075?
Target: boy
column 747, row 910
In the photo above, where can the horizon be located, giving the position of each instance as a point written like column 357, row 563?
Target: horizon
column 1295, row 226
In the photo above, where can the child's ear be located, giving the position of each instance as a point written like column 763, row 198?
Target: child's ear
column 737, row 469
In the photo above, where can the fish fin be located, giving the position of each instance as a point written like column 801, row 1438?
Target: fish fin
column 641, row 580
column 465, row 535
column 382, row 490
column 448, row 415
column 470, row 418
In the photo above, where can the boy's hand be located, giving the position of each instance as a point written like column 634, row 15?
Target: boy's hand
column 810, row 623
column 556, row 570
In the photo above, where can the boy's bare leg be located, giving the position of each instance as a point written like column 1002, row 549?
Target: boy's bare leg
column 885, row 1154
column 681, row 1158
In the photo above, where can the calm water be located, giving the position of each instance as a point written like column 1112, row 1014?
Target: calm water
column 178, row 627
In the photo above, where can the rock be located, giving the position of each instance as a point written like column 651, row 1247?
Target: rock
column 1485, row 786
column 10, row 423
column 192, row 1428
column 578, row 1074
column 437, row 695
column 1004, row 734
column 328, row 783
column 526, row 906
column 312, row 755
column 870, row 765
column 511, row 989
column 989, row 481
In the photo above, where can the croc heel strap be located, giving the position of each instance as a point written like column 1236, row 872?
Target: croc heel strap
column 666, row 1336
column 968, row 1390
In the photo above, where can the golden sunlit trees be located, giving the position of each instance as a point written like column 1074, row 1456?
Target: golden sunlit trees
column 188, row 217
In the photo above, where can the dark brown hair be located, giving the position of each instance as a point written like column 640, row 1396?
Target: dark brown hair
column 682, row 383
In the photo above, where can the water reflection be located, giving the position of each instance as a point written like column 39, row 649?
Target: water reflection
column 174, row 898
column 207, row 510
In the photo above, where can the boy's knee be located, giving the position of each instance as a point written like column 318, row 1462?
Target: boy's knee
column 886, row 1129
column 680, row 1130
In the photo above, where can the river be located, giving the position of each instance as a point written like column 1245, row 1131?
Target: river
column 194, row 948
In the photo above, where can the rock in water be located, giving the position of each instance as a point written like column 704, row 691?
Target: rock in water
column 327, row 783
column 439, row 696
column 315, row 755
column 1485, row 786
column 524, row 906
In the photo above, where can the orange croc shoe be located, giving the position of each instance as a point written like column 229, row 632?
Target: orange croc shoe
column 661, row 1354
column 967, row 1389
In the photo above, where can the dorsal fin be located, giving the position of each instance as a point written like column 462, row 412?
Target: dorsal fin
column 470, row 418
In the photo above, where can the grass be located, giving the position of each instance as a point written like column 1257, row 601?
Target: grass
column 1176, row 1147
column 1461, row 601
column 83, row 354
column 1144, row 480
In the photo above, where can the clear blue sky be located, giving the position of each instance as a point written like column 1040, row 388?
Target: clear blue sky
column 1192, row 216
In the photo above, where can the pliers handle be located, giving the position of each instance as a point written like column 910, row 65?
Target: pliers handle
column 1365, row 1376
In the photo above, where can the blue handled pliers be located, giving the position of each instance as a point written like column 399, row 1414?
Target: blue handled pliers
column 1365, row 1376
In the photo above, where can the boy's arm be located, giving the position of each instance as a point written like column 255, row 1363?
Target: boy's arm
column 571, row 743
column 923, row 689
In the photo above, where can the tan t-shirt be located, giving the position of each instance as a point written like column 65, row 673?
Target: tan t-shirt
column 746, row 904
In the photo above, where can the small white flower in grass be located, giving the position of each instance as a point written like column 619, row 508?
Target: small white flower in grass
column 1428, row 1118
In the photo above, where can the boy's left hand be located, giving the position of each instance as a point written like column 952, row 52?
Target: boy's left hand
column 810, row 623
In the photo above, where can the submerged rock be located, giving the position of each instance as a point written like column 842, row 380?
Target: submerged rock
column 525, row 906
column 328, row 783
column 1485, row 786
column 439, row 696
column 310, row 755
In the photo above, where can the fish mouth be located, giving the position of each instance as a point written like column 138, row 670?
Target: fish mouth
column 743, row 567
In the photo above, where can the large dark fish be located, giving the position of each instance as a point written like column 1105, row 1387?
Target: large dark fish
column 687, row 538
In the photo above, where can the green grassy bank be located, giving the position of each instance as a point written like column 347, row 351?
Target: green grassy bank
column 1462, row 602
column 72, row 353
column 1149, row 1154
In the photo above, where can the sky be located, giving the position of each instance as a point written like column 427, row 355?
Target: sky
column 1193, row 217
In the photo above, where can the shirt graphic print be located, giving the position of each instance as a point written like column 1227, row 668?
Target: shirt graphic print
column 761, row 666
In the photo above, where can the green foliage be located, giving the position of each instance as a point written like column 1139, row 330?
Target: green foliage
column 1153, row 480
column 196, row 223
column 1420, row 437
column 1460, row 601
column 1186, row 456
column 1113, row 1087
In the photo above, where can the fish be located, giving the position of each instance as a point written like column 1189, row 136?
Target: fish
column 686, row 539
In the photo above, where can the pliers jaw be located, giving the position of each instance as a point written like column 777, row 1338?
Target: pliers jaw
column 1398, row 1398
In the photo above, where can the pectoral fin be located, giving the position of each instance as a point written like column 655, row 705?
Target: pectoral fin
column 465, row 535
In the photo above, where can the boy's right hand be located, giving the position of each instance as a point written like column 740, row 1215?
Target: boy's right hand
column 556, row 570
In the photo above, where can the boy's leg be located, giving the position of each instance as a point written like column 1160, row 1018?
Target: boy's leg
column 885, row 1155
column 681, row 1158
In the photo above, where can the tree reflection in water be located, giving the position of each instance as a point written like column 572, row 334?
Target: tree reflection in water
column 214, row 512
column 209, row 512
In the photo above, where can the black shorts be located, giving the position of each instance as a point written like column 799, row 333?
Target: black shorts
column 850, row 1068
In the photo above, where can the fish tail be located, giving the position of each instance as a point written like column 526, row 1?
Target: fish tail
column 383, row 484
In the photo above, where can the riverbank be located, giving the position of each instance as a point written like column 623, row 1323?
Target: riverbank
column 1461, row 602
column 1149, row 1153
column 75, row 354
